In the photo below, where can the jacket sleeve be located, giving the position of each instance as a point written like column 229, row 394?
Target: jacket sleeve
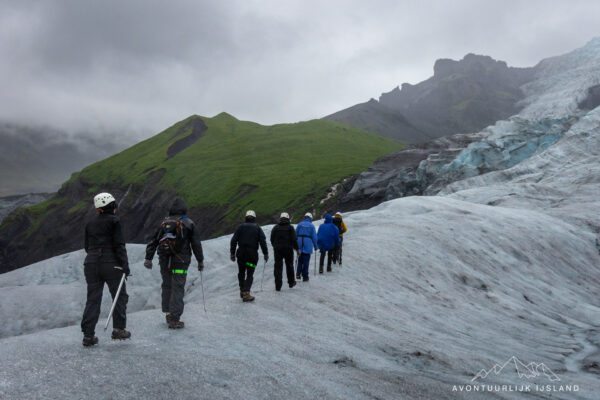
column 196, row 244
column 152, row 245
column 272, row 236
column 119, row 244
column 294, row 239
column 344, row 229
column 85, row 240
column 234, row 241
column 263, row 241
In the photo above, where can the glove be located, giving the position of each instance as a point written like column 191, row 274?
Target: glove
column 200, row 266
column 266, row 257
column 148, row 264
column 233, row 257
column 125, row 270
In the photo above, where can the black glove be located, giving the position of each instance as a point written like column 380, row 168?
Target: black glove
column 148, row 264
column 233, row 257
column 266, row 257
column 200, row 266
column 124, row 269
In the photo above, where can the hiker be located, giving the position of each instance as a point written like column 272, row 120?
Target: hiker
column 307, row 241
column 247, row 238
column 174, row 241
column 339, row 223
column 105, row 262
column 284, row 242
column 328, row 238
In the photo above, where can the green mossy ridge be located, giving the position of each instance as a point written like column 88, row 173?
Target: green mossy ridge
column 285, row 162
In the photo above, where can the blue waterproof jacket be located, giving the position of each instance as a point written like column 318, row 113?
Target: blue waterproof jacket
column 329, row 235
column 307, row 236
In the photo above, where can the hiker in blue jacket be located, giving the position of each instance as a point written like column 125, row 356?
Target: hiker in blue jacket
column 328, row 239
column 307, row 241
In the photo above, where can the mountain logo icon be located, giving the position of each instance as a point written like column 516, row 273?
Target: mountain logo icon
column 527, row 371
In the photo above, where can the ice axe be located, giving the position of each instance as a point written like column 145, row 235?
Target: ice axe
column 112, row 309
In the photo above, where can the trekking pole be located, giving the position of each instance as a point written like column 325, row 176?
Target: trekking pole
column 315, row 263
column 115, row 301
column 202, row 286
column 263, row 275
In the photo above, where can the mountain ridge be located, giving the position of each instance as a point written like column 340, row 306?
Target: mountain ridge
column 462, row 96
column 221, row 166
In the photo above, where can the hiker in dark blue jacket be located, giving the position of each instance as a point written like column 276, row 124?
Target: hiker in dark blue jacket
column 328, row 239
column 307, row 241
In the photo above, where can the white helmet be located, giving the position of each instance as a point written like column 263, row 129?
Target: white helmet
column 309, row 215
column 250, row 213
column 102, row 199
column 285, row 215
column 339, row 213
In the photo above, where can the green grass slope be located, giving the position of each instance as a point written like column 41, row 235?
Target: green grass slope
column 221, row 166
column 281, row 163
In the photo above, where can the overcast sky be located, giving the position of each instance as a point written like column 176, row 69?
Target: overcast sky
column 140, row 66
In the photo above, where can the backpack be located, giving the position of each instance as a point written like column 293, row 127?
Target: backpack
column 171, row 237
column 337, row 222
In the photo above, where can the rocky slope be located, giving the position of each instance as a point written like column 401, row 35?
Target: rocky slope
column 461, row 97
column 10, row 203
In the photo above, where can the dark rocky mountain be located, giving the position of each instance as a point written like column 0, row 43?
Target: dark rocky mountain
column 461, row 97
column 38, row 159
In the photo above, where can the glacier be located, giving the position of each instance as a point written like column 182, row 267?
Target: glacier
column 499, row 265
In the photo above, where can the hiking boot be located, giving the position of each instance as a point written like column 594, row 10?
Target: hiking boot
column 167, row 317
column 120, row 334
column 176, row 325
column 278, row 289
column 305, row 279
column 89, row 341
column 247, row 297
column 292, row 284
column 298, row 276
column 320, row 270
column 328, row 269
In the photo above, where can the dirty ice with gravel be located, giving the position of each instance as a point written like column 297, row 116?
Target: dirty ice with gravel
column 492, row 285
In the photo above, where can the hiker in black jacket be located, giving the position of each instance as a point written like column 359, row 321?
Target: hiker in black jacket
column 105, row 262
column 174, row 241
column 246, row 239
column 284, row 242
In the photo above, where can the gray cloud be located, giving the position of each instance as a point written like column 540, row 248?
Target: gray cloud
column 139, row 66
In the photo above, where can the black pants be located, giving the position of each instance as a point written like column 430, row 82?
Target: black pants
column 288, row 256
column 329, row 258
column 174, row 275
column 95, row 276
column 245, row 273
column 337, row 257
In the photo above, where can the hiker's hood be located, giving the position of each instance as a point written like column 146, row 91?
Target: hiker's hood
column 178, row 208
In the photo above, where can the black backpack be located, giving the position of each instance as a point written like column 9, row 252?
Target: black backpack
column 171, row 237
column 337, row 221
